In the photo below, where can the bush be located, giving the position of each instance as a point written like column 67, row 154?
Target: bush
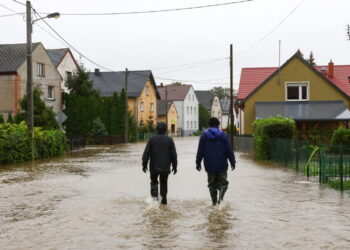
column 340, row 141
column 267, row 129
column 15, row 143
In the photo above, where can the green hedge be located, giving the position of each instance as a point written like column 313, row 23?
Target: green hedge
column 340, row 141
column 267, row 128
column 15, row 143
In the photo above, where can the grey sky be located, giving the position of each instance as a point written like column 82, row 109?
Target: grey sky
column 152, row 41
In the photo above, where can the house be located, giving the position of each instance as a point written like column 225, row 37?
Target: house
column 141, row 91
column 316, row 97
column 166, row 111
column 65, row 63
column 13, row 77
column 186, row 104
column 225, row 108
column 211, row 102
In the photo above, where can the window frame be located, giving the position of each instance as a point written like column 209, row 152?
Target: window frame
column 50, row 89
column 299, row 85
column 151, row 107
column 142, row 106
column 147, row 91
column 40, row 69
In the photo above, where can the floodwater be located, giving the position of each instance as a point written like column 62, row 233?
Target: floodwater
column 99, row 199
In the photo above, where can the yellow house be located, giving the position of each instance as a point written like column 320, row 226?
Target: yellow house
column 167, row 113
column 141, row 91
column 316, row 97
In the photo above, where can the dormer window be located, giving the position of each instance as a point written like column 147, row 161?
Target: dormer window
column 297, row 91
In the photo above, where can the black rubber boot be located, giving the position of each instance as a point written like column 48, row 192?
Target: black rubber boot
column 214, row 195
column 154, row 191
column 164, row 200
column 222, row 192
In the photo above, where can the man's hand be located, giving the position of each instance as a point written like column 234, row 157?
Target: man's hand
column 199, row 167
column 233, row 167
column 174, row 170
column 144, row 167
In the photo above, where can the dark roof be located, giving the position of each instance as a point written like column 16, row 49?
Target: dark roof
column 57, row 55
column 161, row 107
column 12, row 56
column 304, row 111
column 174, row 92
column 109, row 82
column 205, row 97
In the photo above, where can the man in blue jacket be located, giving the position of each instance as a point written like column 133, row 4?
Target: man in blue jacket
column 215, row 148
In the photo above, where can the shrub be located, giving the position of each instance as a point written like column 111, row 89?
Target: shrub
column 340, row 140
column 15, row 143
column 267, row 129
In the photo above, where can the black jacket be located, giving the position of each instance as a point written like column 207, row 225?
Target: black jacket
column 161, row 151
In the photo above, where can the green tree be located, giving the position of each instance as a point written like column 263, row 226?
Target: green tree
column 204, row 116
column 2, row 121
column 80, row 84
column 311, row 59
column 43, row 116
column 9, row 118
column 176, row 84
column 221, row 92
column 98, row 128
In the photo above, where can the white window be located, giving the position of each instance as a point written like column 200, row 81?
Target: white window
column 147, row 90
column 191, row 110
column 152, row 107
column 297, row 91
column 50, row 92
column 188, row 124
column 195, row 110
column 41, row 69
column 191, row 124
column 195, row 124
column 141, row 106
column 188, row 108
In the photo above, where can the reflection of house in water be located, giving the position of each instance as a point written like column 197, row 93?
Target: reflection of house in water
column 167, row 113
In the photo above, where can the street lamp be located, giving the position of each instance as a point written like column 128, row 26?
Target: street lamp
column 30, row 109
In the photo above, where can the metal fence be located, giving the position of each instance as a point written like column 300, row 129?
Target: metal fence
column 329, row 163
column 243, row 144
column 75, row 143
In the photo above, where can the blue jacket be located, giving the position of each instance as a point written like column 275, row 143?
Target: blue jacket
column 215, row 148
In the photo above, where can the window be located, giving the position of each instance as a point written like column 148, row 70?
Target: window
column 41, row 69
column 50, row 92
column 195, row 110
column 297, row 91
column 195, row 124
column 152, row 107
column 191, row 110
column 147, row 90
column 141, row 106
column 191, row 124
column 68, row 75
column 188, row 108
column 188, row 124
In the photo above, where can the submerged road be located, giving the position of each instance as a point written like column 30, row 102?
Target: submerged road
column 99, row 199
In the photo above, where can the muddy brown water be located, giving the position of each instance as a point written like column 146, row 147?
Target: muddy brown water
column 98, row 199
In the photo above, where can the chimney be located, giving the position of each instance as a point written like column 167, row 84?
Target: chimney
column 97, row 71
column 331, row 69
column 161, row 85
column 324, row 70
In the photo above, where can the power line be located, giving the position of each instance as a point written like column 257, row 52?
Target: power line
column 19, row 2
column 188, row 64
column 271, row 31
column 15, row 12
column 155, row 11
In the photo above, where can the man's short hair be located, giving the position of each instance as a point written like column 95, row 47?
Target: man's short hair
column 161, row 128
column 214, row 122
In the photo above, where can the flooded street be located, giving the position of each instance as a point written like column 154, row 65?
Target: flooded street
column 98, row 199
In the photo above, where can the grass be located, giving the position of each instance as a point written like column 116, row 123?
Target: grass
column 336, row 184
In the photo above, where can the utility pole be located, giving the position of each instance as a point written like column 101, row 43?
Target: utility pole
column 30, row 110
column 231, row 94
column 166, row 107
column 126, row 106
column 348, row 32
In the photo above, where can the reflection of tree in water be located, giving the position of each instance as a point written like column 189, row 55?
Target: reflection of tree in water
column 217, row 226
column 160, row 228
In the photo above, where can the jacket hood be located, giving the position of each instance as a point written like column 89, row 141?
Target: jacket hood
column 213, row 133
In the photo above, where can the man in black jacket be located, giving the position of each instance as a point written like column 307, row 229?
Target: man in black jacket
column 161, row 151
column 215, row 148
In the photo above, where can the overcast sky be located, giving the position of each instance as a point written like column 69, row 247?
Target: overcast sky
column 161, row 41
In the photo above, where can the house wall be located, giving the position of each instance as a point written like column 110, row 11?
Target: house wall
column 274, row 90
column 147, row 100
column 190, row 113
column 172, row 118
column 51, row 78
column 216, row 110
column 9, row 91
column 180, row 114
column 67, row 64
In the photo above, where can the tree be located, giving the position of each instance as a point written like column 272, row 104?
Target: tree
column 311, row 59
column 80, row 84
column 221, row 92
column 98, row 128
column 299, row 53
column 204, row 116
column 9, row 118
column 176, row 84
column 2, row 121
column 43, row 116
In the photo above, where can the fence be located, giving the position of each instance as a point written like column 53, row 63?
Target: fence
column 330, row 163
column 75, row 143
column 243, row 144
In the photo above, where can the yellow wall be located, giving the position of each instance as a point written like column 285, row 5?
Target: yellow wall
column 274, row 90
column 147, row 100
column 172, row 118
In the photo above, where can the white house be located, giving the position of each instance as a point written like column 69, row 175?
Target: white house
column 65, row 63
column 186, row 104
column 211, row 102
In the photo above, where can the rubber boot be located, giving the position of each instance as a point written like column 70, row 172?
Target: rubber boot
column 222, row 192
column 154, row 191
column 164, row 200
column 214, row 195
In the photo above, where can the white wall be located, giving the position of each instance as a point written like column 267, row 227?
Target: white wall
column 67, row 64
column 191, row 114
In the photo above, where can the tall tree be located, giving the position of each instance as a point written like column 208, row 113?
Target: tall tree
column 221, row 92
column 2, row 121
column 204, row 116
column 311, row 59
column 43, row 116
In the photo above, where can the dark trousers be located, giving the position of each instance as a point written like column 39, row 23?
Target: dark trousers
column 163, row 179
column 217, row 184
